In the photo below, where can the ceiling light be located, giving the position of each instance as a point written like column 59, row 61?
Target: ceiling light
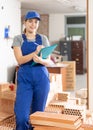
column 78, row 8
column 65, row 2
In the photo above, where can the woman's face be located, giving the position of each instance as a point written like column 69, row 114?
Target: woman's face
column 31, row 25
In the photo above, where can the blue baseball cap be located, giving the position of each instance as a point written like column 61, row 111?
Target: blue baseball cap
column 32, row 14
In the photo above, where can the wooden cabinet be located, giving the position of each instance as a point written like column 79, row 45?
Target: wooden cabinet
column 68, row 75
column 77, row 55
column 65, row 49
column 74, row 51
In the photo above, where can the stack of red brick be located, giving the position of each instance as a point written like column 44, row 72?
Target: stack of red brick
column 7, row 99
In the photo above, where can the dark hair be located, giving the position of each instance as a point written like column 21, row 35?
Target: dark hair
column 24, row 31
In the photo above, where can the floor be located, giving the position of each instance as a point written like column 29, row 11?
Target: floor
column 81, row 82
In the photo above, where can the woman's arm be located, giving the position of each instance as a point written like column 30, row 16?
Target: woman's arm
column 38, row 59
column 23, row 59
column 46, row 62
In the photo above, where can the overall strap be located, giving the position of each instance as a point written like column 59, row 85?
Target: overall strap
column 24, row 37
column 38, row 39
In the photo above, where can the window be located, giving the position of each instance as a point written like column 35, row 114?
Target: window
column 76, row 25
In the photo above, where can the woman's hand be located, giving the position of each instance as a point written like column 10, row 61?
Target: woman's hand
column 46, row 62
column 37, row 59
column 39, row 47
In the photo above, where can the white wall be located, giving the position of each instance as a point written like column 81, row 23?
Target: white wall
column 10, row 14
column 90, row 43
column 56, row 27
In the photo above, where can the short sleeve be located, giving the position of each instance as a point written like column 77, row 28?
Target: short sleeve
column 17, row 41
column 45, row 41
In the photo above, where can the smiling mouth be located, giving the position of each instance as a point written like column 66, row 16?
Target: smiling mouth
column 32, row 28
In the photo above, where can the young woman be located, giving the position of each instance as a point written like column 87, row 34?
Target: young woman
column 33, row 83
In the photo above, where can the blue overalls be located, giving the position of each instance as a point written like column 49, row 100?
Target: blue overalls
column 33, row 86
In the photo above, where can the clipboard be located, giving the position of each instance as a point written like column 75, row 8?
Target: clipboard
column 46, row 51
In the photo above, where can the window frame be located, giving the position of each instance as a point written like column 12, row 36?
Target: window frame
column 74, row 25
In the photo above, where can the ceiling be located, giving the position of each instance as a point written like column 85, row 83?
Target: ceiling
column 54, row 6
